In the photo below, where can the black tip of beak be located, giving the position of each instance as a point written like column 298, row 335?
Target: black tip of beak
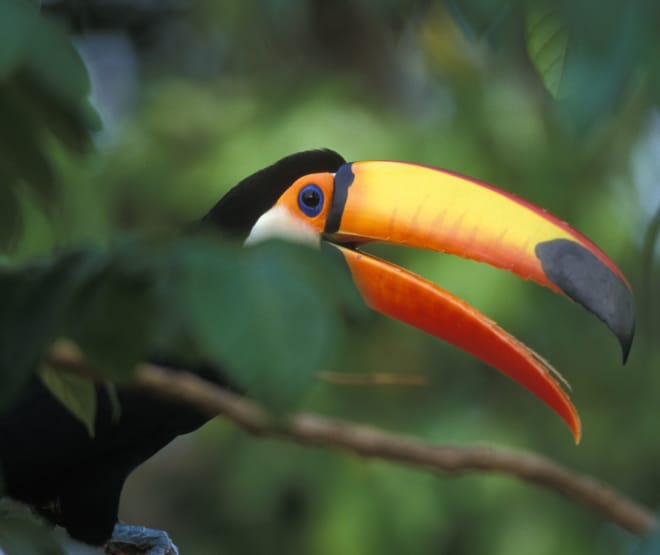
column 586, row 280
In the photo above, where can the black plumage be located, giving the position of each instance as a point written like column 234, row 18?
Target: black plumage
column 238, row 210
column 48, row 459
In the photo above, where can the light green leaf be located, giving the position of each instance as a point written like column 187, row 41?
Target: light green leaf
column 76, row 393
column 547, row 45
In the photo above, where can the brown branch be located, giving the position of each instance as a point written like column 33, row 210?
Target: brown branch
column 368, row 441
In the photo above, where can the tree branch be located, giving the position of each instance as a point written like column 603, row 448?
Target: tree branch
column 368, row 441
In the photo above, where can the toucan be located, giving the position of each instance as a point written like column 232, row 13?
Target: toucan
column 50, row 462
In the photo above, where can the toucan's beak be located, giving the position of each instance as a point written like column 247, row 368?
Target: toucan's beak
column 428, row 208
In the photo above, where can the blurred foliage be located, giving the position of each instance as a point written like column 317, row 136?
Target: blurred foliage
column 225, row 88
column 167, row 301
column 43, row 94
column 547, row 44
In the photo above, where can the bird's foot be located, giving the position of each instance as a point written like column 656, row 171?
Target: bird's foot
column 137, row 540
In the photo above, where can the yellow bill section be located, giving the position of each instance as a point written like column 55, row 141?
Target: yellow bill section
column 425, row 207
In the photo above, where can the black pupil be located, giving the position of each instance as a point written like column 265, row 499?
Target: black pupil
column 311, row 198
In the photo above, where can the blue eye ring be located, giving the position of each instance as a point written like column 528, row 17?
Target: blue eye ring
column 310, row 200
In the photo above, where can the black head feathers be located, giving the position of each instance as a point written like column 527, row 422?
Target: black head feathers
column 238, row 211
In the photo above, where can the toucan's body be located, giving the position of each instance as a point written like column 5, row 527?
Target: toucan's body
column 50, row 461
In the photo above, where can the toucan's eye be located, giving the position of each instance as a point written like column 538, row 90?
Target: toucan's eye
column 310, row 200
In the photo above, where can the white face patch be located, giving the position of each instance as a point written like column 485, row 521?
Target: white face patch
column 279, row 223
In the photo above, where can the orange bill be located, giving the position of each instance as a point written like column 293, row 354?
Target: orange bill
column 424, row 207
column 405, row 296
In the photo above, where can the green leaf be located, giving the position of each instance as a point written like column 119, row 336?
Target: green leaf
column 35, row 303
column 268, row 314
column 21, row 152
column 113, row 316
column 17, row 24
column 33, row 42
column 44, row 89
column 547, row 45
column 56, row 65
column 10, row 214
column 76, row 393
column 69, row 125
column 21, row 533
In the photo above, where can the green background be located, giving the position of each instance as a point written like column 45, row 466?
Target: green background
column 563, row 113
